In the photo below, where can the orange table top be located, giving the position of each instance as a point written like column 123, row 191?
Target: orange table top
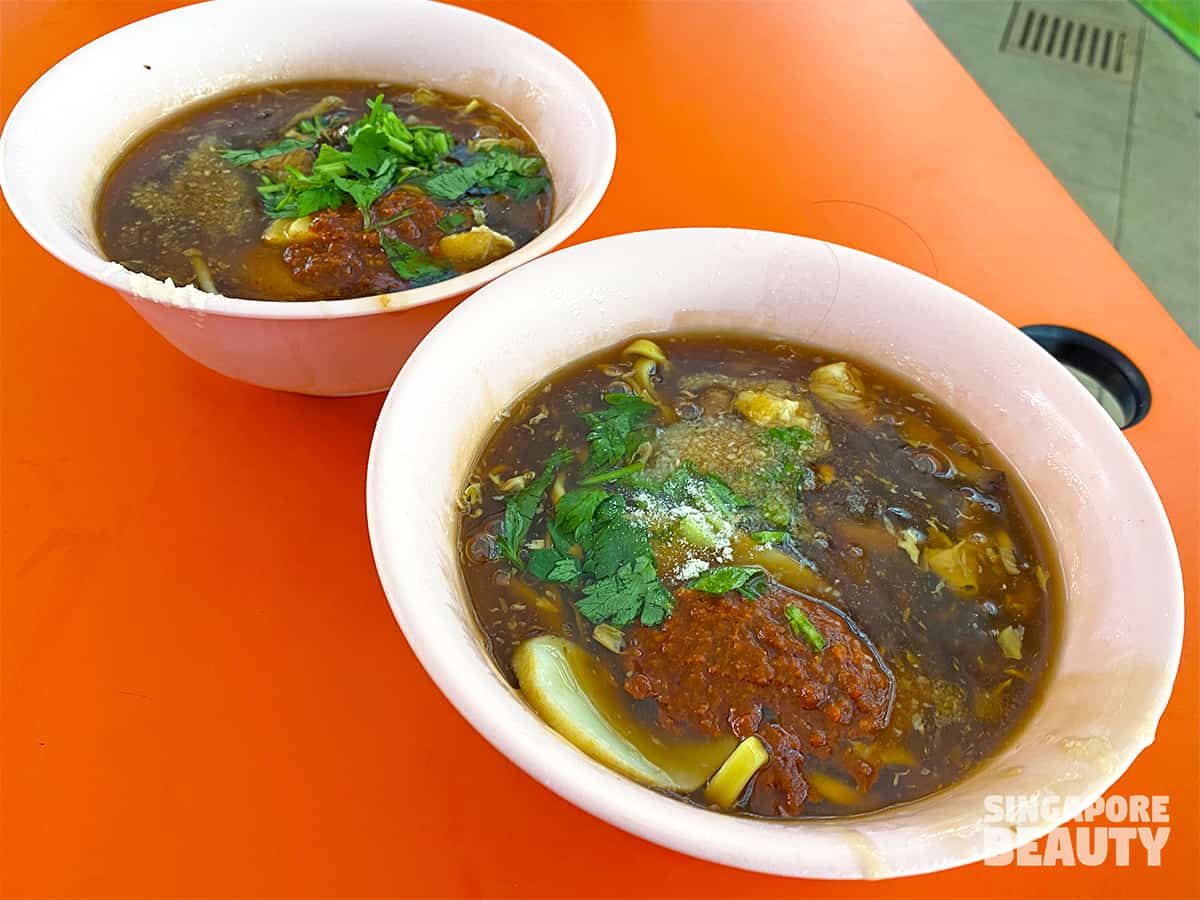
column 204, row 692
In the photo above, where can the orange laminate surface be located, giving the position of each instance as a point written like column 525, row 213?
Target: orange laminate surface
column 204, row 692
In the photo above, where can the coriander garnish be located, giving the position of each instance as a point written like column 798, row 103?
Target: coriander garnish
column 451, row 223
column 746, row 580
column 803, row 627
column 377, row 152
column 523, row 506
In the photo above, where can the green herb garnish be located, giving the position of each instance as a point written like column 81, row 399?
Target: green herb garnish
column 311, row 131
column 522, row 506
column 381, row 151
column 241, row 158
column 622, row 580
column 688, row 484
column 747, row 581
column 794, row 438
column 614, row 475
column 451, row 223
column 574, row 512
column 549, row 564
column 378, row 152
column 494, row 171
column 615, row 431
column 408, row 262
column 803, row 627
column 403, row 214
column 594, row 542
column 632, row 591
column 618, row 575
column 783, row 474
column 768, row 537
column 777, row 511
column 319, row 123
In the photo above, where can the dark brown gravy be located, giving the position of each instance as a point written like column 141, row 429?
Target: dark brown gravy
column 900, row 462
column 171, row 194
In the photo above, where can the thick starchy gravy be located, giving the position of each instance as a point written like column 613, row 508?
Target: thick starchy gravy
column 324, row 190
column 748, row 551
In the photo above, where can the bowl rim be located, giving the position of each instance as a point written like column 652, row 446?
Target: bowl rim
column 677, row 827
column 95, row 266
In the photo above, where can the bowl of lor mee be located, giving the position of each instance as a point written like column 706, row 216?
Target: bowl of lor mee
column 774, row 552
column 292, row 198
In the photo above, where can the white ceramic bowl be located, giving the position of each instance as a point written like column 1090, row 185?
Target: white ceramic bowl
column 1123, row 614
column 122, row 83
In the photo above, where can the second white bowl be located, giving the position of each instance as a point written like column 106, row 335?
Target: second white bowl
column 1122, row 625
column 119, row 85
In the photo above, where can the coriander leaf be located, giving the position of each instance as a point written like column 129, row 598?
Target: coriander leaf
column 620, row 579
column 518, row 185
column 496, row 170
column 451, row 183
column 382, row 131
column 407, row 261
column 722, row 496
column 675, row 485
column 657, row 603
column 542, row 561
column 610, row 598
column 551, row 565
column 562, row 543
column 688, row 479
column 705, row 491
column 613, row 507
column 514, row 174
column 369, row 150
column 613, row 429
column 522, row 506
column 382, row 152
column 363, row 193
column 769, row 537
column 632, row 591
column 313, row 200
column 802, row 626
column 629, row 405
column 508, row 161
column 576, row 508
column 566, row 569
column 529, row 498
column 240, row 158
column 329, row 164
column 612, row 542
column 614, row 475
column 403, row 214
column 451, row 223
column 512, row 533
column 749, row 582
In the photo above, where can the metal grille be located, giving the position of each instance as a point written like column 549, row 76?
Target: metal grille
column 1045, row 32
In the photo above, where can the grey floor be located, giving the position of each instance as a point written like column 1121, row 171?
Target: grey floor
column 1120, row 130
